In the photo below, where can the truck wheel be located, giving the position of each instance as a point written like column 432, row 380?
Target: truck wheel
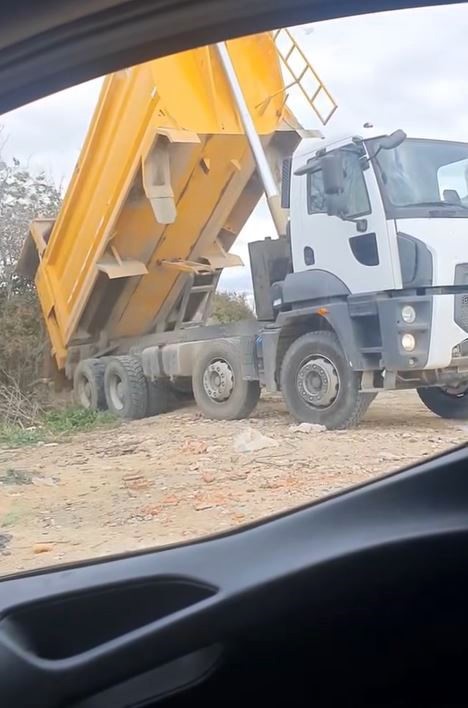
column 126, row 388
column 446, row 402
column 219, row 389
column 159, row 397
column 88, row 384
column 318, row 385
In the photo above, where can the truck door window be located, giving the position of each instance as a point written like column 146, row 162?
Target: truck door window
column 316, row 203
column 355, row 198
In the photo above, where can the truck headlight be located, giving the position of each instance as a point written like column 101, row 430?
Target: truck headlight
column 408, row 314
column 408, row 342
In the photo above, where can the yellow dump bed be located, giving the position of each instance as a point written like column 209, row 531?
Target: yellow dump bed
column 164, row 183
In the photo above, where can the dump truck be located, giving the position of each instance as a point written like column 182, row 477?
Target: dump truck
column 165, row 181
column 365, row 288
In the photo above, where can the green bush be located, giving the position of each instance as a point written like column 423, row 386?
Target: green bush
column 24, row 196
column 55, row 425
column 71, row 420
column 23, row 343
column 231, row 307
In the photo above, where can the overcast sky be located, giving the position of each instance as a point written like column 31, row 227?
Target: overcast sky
column 405, row 69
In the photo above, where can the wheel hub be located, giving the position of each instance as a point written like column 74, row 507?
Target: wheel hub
column 318, row 382
column 457, row 391
column 218, row 380
column 117, row 391
column 84, row 392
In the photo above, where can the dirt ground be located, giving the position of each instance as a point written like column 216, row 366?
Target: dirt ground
column 157, row 481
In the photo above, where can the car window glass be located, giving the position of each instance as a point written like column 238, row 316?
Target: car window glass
column 356, row 200
column 316, row 193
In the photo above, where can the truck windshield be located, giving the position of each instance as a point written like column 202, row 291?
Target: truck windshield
column 424, row 178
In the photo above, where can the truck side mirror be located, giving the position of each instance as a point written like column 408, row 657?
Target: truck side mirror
column 392, row 141
column 331, row 168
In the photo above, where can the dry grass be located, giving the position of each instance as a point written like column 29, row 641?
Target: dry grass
column 17, row 408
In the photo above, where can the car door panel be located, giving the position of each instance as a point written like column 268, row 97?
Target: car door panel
column 200, row 595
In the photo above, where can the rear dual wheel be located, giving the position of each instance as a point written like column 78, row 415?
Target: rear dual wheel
column 119, row 384
column 88, row 384
column 126, row 388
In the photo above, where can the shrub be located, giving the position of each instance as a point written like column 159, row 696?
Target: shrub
column 231, row 307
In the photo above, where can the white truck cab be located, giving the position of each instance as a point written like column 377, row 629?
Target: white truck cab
column 379, row 251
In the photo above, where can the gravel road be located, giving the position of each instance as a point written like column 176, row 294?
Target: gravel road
column 161, row 480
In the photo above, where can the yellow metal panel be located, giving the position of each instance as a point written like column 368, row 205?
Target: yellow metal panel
column 198, row 201
column 124, row 269
column 185, row 100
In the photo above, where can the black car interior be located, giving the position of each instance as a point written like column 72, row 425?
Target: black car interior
column 358, row 600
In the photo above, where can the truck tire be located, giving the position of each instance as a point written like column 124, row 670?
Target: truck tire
column 159, row 397
column 444, row 403
column 88, row 384
column 218, row 386
column 318, row 385
column 126, row 388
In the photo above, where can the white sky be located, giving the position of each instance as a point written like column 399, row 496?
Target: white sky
column 405, row 69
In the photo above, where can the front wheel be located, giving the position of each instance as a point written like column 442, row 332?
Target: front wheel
column 317, row 384
column 218, row 386
column 446, row 402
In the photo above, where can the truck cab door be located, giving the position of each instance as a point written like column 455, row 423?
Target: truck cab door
column 359, row 248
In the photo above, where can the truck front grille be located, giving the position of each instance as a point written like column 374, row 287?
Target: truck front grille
column 461, row 300
column 461, row 311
